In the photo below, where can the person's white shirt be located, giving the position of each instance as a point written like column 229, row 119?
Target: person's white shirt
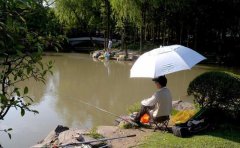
column 162, row 102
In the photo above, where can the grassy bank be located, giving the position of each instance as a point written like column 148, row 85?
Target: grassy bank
column 217, row 138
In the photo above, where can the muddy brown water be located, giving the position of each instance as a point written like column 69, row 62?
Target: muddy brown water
column 77, row 77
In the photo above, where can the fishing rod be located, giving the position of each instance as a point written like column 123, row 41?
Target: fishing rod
column 97, row 140
column 133, row 123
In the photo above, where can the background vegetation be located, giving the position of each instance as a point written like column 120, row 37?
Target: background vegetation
column 210, row 26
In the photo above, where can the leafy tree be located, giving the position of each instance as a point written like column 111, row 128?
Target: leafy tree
column 140, row 12
column 124, row 12
column 21, row 49
column 82, row 14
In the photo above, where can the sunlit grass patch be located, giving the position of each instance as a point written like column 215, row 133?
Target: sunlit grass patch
column 210, row 139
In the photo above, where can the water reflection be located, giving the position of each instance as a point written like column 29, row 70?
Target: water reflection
column 106, row 64
column 52, row 85
column 94, row 84
column 91, row 82
column 32, row 126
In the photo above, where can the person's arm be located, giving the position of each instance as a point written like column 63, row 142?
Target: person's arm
column 150, row 101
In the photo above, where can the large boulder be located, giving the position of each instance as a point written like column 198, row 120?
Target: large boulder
column 63, row 136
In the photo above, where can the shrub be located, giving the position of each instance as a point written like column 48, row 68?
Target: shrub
column 134, row 108
column 217, row 90
column 94, row 134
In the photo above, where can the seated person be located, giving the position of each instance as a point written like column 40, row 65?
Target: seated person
column 159, row 105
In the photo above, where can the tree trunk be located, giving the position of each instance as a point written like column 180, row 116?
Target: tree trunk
column 141, row 39
column 108, row 19
column 180, row 33
column 105, row 40
column 91, row 39
column 107, row 27
column 134, row 35
column 158, row 31
column 145, row 32
column 195, row 33
column 142, row 28
column 163, row 35
column 153, row 33
column 122, row 38
column 164, row 24
column 123, row 41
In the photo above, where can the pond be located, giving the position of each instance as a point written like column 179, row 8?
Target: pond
column 77, row 78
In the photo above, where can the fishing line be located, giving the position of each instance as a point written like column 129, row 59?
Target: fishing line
column 133, row 123
column 103, row 110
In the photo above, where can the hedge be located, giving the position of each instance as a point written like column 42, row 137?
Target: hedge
column 217, row 90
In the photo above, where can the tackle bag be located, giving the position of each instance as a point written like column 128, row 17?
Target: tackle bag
column 180, row 131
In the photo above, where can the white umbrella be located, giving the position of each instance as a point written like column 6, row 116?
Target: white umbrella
column 165, row 60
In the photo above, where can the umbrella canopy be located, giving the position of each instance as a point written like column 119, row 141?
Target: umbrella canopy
column 165, row 60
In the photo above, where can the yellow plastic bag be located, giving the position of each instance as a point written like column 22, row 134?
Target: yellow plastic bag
column 182, row 116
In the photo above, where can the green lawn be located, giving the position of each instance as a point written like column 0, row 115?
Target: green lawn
column 228, row 138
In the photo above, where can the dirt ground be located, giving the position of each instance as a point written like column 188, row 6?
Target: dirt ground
column 114, row 131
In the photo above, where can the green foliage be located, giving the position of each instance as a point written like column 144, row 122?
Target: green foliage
column 79, row 13
column 125, row 125
column 133, row 46
column 23, row 37
column 94, row 134
column 174, row 112
column 159, row 21
column 134, row 108
column 124, row 11
column 217, row 90
column 84, row 15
